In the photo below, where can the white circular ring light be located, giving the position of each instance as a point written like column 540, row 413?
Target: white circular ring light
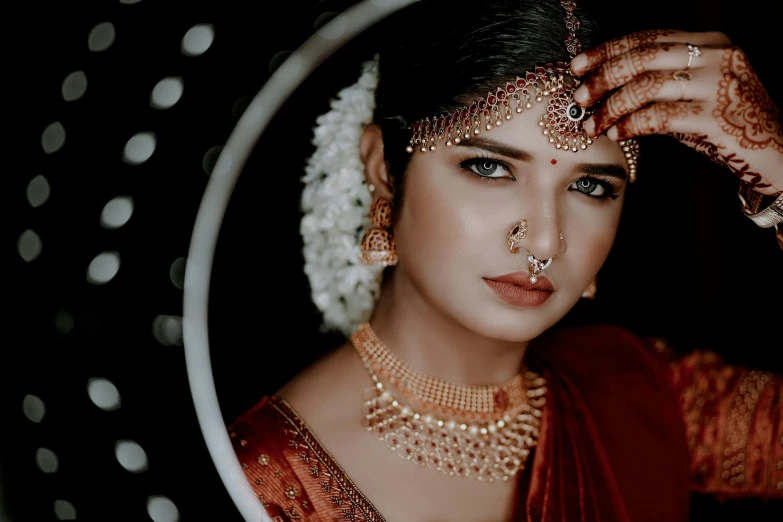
column 206, row 229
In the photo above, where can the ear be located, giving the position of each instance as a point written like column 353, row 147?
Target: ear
column 376, row 171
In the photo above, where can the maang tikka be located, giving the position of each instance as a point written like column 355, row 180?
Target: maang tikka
column 562, row 122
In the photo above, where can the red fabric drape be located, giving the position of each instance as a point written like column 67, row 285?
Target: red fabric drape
column 613, row 446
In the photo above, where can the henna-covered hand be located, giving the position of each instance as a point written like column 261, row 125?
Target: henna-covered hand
column 729, row 160
column 651, row 82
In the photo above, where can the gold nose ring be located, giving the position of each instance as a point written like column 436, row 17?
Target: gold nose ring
column 516, row 234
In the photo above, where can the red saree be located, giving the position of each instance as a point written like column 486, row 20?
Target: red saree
column 627, row 435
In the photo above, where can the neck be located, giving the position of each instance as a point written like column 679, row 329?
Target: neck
column 435, row 344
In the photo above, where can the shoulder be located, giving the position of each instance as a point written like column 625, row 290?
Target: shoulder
column 308, row 394
column 259, row 437
column 280, row 441
column 269, row 441
column 329, row 389
column 259, row 431
column 322, row 399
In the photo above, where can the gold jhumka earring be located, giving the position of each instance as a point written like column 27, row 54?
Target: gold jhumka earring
column 591, row 290
column 377, row 246
column 483, row 433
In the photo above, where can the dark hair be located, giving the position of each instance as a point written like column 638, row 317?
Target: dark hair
column 442, row 52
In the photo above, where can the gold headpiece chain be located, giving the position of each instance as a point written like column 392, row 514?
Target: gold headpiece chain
column 562, row 122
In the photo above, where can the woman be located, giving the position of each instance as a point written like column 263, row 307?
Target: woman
column 494, row 233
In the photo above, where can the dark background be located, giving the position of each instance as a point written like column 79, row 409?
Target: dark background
column 687, row 265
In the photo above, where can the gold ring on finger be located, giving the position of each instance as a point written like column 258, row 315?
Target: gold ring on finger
column 682, row 77
column 693, row 52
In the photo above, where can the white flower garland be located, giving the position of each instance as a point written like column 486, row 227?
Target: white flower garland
column 336, row 206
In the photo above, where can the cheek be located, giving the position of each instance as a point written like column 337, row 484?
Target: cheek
column 592, row 234
column 443, row 217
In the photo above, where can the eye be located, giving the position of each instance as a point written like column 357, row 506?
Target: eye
column 589, row 187
column 486, row 168
column 594, row 188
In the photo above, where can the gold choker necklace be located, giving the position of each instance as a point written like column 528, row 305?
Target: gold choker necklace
column 479, row 432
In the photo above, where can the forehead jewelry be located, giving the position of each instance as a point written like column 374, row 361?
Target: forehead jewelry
column 562, row 121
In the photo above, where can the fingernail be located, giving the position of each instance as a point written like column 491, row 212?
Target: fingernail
column 578, row 63
column 589, row 126
column 582, row 95
column 613, row 134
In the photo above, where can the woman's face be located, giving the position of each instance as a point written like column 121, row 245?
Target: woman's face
column 460, row 203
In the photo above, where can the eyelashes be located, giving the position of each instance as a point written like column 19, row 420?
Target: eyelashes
column 488, row 165
column 489, row 169
column 588, row 186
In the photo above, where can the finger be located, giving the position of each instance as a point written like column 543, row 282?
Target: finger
column 648, row 87
column 592, row 58
column 623, row 68
column 657, row 118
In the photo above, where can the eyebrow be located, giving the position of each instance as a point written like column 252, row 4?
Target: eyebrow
column 614, row 170
column 497, row 148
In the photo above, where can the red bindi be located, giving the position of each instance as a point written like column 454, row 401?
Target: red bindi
column 554, row 162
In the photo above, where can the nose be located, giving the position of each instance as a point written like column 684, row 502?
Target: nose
column 543, row 235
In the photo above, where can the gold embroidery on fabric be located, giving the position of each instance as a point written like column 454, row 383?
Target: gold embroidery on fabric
column 698, row 397
column 337, row 484
column 291, row 492
column 738, row 423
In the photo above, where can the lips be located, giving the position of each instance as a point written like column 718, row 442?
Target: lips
column 522, row 279
column 517, row 290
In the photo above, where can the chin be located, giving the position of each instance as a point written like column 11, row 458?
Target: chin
column 504, row 323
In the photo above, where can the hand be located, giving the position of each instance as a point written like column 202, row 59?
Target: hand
column 706, row 95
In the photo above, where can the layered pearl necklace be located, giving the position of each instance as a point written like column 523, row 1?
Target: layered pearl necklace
column 480, row 432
